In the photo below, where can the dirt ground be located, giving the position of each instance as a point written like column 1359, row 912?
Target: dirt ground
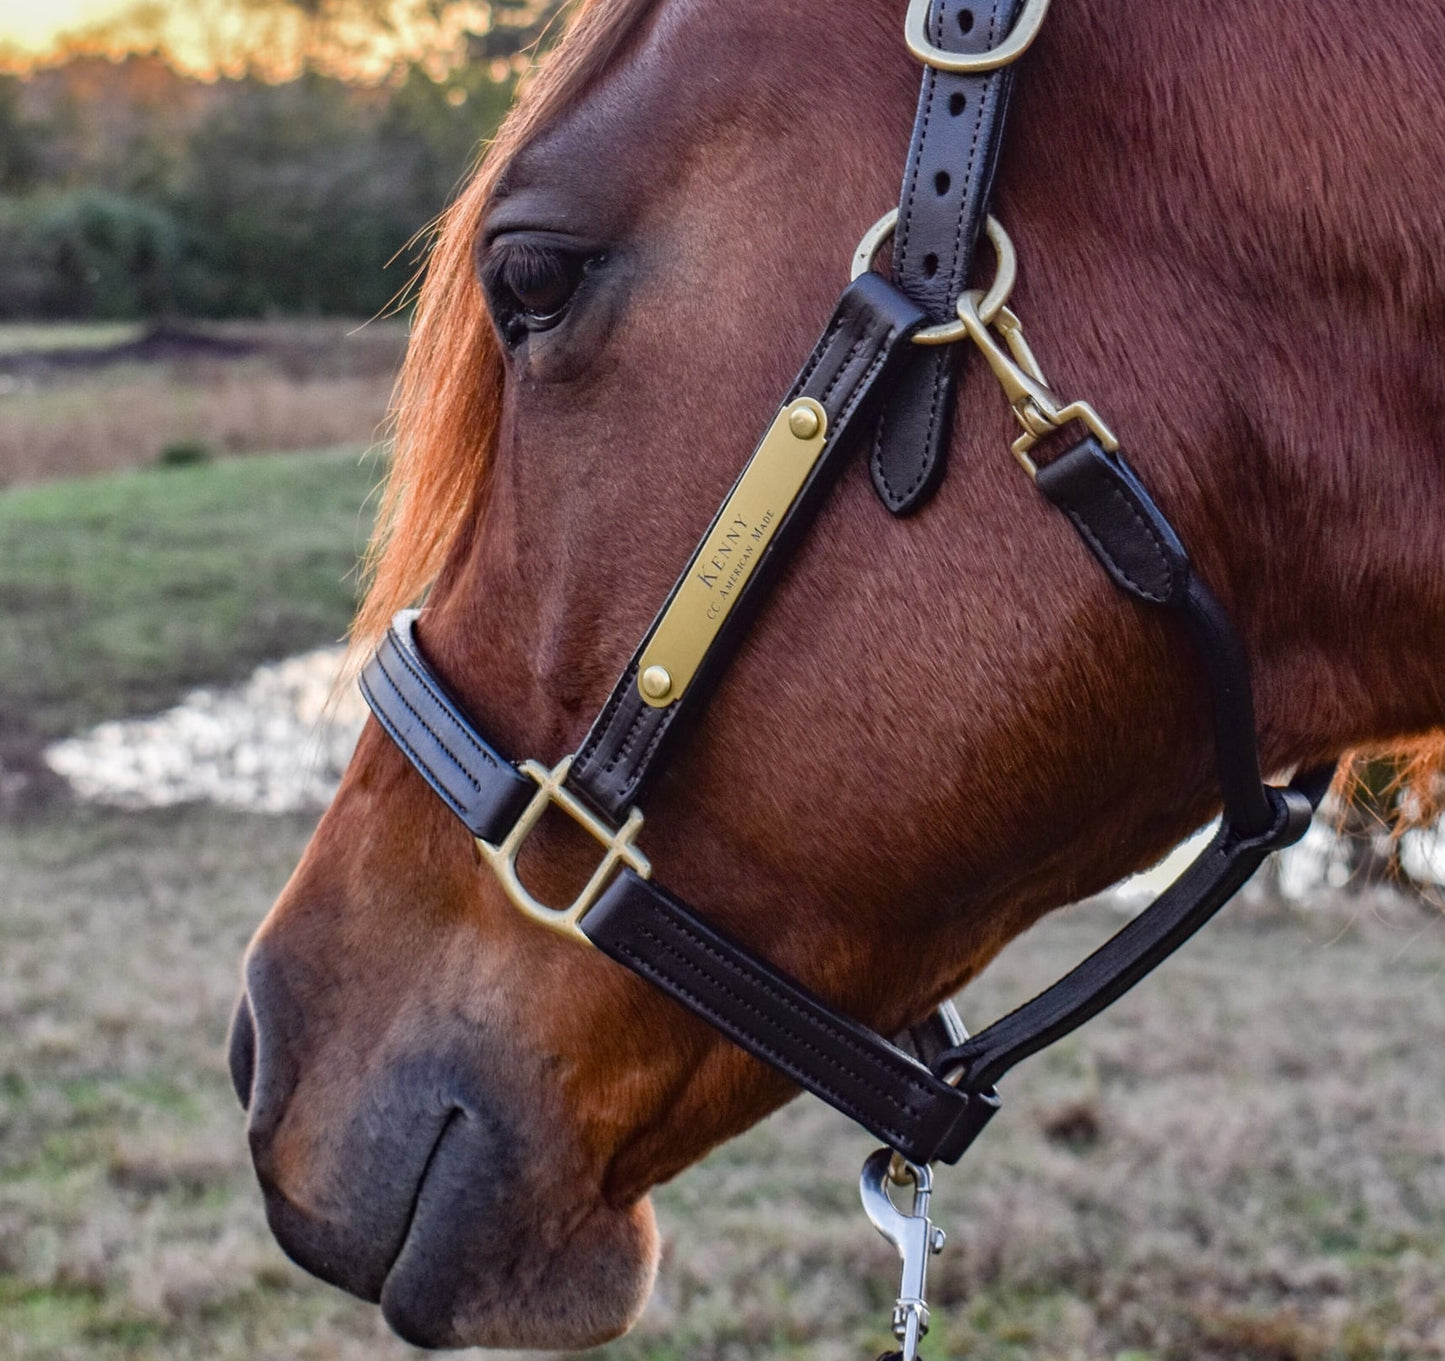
column 1243, row 1160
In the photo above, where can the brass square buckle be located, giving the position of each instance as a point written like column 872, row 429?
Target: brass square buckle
column 1025, row 30
column 552, row 789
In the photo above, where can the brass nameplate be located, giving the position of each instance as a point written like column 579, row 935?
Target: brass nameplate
column 770, row 483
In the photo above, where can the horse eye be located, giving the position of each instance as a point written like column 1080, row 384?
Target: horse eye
column 530, row 285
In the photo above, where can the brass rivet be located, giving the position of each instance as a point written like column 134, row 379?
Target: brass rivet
column 656, row 682
column 803, row 422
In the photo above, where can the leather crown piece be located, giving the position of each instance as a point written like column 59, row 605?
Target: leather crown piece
column 947, row 183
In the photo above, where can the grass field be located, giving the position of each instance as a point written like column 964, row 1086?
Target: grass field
column 120, row 592
column 28, row 337
column 1243, row 1161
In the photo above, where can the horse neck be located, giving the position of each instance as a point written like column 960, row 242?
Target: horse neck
column 1229, row 223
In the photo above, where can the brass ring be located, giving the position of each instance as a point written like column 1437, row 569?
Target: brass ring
column 945, row 333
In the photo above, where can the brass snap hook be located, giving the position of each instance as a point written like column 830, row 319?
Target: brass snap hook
column 1038, row 410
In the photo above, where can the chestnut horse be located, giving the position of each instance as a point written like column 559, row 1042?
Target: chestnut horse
column 1230, row 224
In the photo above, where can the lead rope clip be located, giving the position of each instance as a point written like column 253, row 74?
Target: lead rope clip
column 913, row 1234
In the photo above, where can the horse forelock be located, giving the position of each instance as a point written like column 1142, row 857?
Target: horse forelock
column 447, row 403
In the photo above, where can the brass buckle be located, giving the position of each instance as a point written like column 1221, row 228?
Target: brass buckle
column 915, row 34
column 552, row 790
column 945, row 333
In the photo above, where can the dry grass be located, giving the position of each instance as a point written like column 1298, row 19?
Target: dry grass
column 1244, row 1161
column 127, row 418
column 258, row 387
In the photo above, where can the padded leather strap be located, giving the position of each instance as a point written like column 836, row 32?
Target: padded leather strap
column 855, row 1070
column 946, row 187
column 480, row 786
column 1137, row 546
column 861, row 344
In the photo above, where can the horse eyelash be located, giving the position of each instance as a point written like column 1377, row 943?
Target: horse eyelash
column 516, row 267
column 521, row 265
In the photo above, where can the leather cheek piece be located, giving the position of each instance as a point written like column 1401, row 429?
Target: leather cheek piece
column 863, row 341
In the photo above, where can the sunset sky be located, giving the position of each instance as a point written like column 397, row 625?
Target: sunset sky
column 33, row 24
column 207, row 37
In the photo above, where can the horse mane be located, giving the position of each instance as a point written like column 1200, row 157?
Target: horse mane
column 1402, row 784
column 448, row 397
column 447, row 402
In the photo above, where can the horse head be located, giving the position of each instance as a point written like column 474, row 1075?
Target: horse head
column 942, row 726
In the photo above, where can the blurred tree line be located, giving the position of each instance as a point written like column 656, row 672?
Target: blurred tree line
column 130, row 188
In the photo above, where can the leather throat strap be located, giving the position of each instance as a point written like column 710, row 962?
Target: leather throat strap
column 947, row 182
column 1123, row 528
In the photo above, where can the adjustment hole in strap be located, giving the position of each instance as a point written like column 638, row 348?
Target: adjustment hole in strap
column 942, row 182
column 957, row 103
column 930, row 265
column 965, row 20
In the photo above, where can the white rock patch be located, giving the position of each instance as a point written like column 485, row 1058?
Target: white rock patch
column 278, row 744
column 273, row 745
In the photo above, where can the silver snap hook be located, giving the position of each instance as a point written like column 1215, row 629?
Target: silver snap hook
column 911, row 1232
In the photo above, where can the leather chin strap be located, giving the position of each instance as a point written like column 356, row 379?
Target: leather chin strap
column 929, row 1095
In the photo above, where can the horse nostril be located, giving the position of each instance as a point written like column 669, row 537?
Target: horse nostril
column 265, row 1036
column 241, row 1051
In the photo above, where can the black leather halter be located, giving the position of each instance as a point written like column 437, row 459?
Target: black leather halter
column 930, row 1093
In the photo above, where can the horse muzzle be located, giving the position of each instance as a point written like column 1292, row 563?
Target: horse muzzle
column 408, row 1179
